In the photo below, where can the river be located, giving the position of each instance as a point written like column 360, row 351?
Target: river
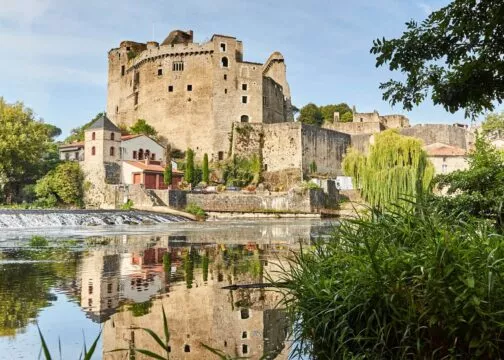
column 77, row 280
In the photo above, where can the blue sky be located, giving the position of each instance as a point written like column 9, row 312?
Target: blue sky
column 54, row 52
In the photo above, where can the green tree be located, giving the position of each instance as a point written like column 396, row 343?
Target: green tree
column 65, row 182
column 77, row 134
column 24, row 141
column 168, row 174
column 310, row 114
column 329, row 110
column 189, row 166
column 395, row 168
column 493, row 123
column 142, row 127
column 346, row 117
column 455, row 56
column 206, row 174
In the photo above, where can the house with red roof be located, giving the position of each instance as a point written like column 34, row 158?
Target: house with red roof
column 446, row 158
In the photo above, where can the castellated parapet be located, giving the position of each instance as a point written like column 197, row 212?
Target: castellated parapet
column 192, row 93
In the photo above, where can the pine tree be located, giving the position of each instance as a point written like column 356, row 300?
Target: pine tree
column 189, row 166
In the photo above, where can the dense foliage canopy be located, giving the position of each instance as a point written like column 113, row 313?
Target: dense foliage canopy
column 142, row 127
column 455, row 56
column 65, row 185
column 312, row 114
column 395, row 169
column 493, row 123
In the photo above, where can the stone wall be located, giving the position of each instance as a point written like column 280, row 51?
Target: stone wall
column 302, row 201
column 362, row 142
column 353, row 128
column 433, row 133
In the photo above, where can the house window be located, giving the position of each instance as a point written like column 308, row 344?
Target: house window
column 224, row 62
column 67, row 156
column 225, row 76
column 134, row 154
column 244, row 313
column 140, row 154
column 244, row 87
column 265, row 101
column 244, row 99
column 221, row 155
column 112, row 136
column 244, row 349
column 222, row 47
column 244, row 119
column 123, row 70
column 147, row 154
column 160, row 72
column 153, row 156
column 187, row 348
column 93, row 151
column 109, row 288
column 170, row 88
column 76, row 155
column 93, row 136
column 112, row 151
column 189, row 87
column 178, row 66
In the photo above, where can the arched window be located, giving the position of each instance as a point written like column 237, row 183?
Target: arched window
column 93, row 136
column 147, row 154
column 224, row 62
column 187, row 348
column 134, row 154
column 112, row 136
column 140, row 154
column 93, row 150
column 153, row 156
column 244, row 119
column 112, row 151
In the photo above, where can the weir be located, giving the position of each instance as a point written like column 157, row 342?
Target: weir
column 12, row 219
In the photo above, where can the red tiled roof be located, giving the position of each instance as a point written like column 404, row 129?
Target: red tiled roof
column 151, row 167
column 74, row 144
column 440, row 149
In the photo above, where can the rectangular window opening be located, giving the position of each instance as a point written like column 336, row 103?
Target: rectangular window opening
column 178, row 66
column 170, row 88
column 223, row 47
column 160, row 72
column 136, row 99
column 244, row 87
column 221, row 155
column 225, row 76
column 244, row 349
column 123, row 70
column 225, row 91
column 189, row 87
column 244, row 99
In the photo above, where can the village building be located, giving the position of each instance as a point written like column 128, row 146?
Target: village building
column 446, row 158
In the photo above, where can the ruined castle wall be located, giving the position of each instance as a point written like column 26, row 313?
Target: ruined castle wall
column 353, row 128
column 432, row 133
column 323, row 147
column 248, row 139
column 274, row 109
column 276, row 69
column 394, row 121
column 282, row 148
column 362, row 142
column 366, row 117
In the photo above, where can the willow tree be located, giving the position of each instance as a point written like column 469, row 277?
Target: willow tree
column 396, row 168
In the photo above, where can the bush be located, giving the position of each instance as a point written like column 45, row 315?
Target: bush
column 397, row 286
column 195, row 210
column 38, row 241
column 242, row 171
column 65, row 183
column 128, row 205
column 309, row 185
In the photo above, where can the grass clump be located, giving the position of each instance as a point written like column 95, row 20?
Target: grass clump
column 38, row 241
column 195, row 209
column 128, row 205
column 406, row 285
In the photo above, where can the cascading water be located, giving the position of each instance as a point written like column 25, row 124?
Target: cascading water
column 12, row 219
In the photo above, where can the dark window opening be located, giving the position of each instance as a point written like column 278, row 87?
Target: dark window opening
column 134, row 154
column 169, row 348
column 221, row 155
column 244, row 349
column 67, row 156
column 265, row 167
column 153, row 156
column 265, row 100
column 244, row 99
column 225, row 76
column 112, row 136
column 189, row 87
column 90, row 302
column 187, row 348
column 123, row 70
column 128, row 48
column 244, row 313
column 225, row 91
column 224, row 62
column 244, row 87
column 140, row 154
column 223, row 47
column 109, row 303
column 160, row 72
column 76, row 156
column 93, row 136
column 244, row 335
column 112, row 151
column 109, row 288
column 90, row 289
column 178, row 66
column 147, row 154
column 170, row 88
column 93, row 151
column 225, row 343
column 136, row 99
column 361, row 119
column 244, row 119
column 117, row 109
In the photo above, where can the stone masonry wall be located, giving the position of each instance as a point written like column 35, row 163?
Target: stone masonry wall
column 432, row 133
column 355, row 127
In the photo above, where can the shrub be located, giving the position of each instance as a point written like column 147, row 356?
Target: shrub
column 242, row 171
column 38, row 241
column 205, row 171
column 65, row 183
column 195, row 209
column 128, row 205
column 396, row 286
column 168, row 174
column 189, row 166
column 309, row 185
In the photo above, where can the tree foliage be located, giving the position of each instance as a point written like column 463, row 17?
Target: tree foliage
column 24, row 142
column 395, row 168
column 310, row 114
column 455, row 55
column 242, row 171
column 168, row 174
column 77, row 134
column 205, row 170
column 189, row 166
column 493, row 123
column 477, row 191
column 142, row 127
column 344, row 110
column 65, row 183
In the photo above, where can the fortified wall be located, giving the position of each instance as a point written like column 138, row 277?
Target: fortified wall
column 367, row 123
column 440, row 133
column 288, row 150
column 192, row 93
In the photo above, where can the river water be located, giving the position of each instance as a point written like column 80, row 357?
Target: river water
column 80, row 280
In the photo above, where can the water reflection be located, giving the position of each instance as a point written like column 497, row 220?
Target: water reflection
column 122, row 282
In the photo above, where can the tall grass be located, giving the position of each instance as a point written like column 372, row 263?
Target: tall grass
column 408, row 285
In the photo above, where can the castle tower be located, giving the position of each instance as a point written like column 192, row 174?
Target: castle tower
column 102, row 159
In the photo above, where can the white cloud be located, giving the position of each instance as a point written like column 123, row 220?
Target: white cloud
column 23, row 12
